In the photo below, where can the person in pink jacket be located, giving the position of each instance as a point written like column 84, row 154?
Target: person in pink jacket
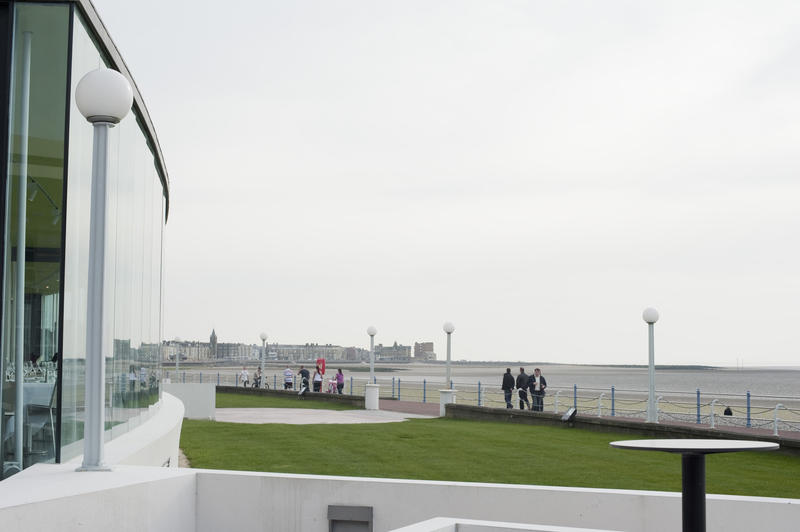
column 339, row 381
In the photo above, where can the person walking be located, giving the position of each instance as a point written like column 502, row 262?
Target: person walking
column 508, row 387
column 288, row 378
column 339, row 381
column 537, row 384
column 304, row 378
column 244, row 376
column 522, row 386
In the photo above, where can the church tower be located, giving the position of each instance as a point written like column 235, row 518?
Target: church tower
column 213, row 344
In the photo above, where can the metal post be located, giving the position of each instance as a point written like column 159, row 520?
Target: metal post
column 184, row 376
column 294, row 382
column 613, row 406
column 600, row 404
column 651, row 396
column 658, row 400
column 201, row 377
column 398, row 388
column 447, row 376
column 218, row 378
column 95, row 359
column 95, row 390
column 698, row 406
column 351, row 385
column 575, row 396
column 372, row 357
column 713, row 403
column 693, row 500
column 237, row 380
column 777, row 407
column 263, row 355
column 424, row 386
column 479, row 393
column 22, row 206
column 748, row 409
column 275, row 382
column 392, row 387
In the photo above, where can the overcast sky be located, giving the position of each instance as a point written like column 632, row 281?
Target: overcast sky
column 535, row 172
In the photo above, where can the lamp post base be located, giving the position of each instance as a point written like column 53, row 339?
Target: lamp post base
column 446, row 397
column 101, row 467
column 371, row 401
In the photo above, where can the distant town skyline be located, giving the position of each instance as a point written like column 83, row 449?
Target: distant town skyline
column 536, row 173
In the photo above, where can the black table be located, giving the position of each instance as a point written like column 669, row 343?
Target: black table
column 693, row 465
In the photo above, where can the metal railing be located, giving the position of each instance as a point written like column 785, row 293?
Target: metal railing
column 779, row 413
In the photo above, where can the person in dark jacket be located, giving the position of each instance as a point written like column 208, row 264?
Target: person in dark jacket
column 522, row 386
column 508, row 387
column 537, row 384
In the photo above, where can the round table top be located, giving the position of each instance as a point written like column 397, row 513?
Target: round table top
column 693, row 446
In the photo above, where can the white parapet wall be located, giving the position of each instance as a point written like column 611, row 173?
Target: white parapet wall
column 199, row 400
column 56, row 497
column 449, row 524
column 300, row 503
column 126, row 499
column 154, row 442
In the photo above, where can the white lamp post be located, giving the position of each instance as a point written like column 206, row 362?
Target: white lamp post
column 104, row 97
column 263, row 337
column 372, row 391
column 448, row 328
column 372, row 331
column 650, row 315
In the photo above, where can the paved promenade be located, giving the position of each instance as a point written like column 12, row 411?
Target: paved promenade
column 411, row 407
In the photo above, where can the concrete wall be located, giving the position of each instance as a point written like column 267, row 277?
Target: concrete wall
column 199, row 400
column 352, row 400
column 299, row 503
column 448, row 524
column 129, row 499
column 55, row 497
column 612, row 424
column 154, row 442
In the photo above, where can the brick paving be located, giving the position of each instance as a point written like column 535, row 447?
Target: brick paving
column 410, row 407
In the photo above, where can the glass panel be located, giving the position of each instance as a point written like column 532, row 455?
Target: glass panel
column 32, row 250
column 133, row 266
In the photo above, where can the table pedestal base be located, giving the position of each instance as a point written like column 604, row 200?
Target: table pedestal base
column 694, row 492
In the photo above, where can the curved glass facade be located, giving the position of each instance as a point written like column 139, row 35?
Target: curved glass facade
column 46, row 174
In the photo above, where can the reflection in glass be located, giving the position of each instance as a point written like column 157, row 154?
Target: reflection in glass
column 32, row 250
column 134, row 224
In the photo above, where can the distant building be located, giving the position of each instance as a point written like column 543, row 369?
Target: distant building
column 393, row 353
column 423, row 351
column 356, row 354
column 308, row 352
column 235, row 352
column 190, row 351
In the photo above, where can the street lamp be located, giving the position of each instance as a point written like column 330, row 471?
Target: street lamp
column 448, row 328
column 372, row 331
column 103, row 97
column 650, row 315
column 263, row 337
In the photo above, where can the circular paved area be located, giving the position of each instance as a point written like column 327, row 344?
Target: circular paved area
column 307, row 416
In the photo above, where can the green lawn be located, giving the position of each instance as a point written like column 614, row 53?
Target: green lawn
column 237, row 400
column 442, row 449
